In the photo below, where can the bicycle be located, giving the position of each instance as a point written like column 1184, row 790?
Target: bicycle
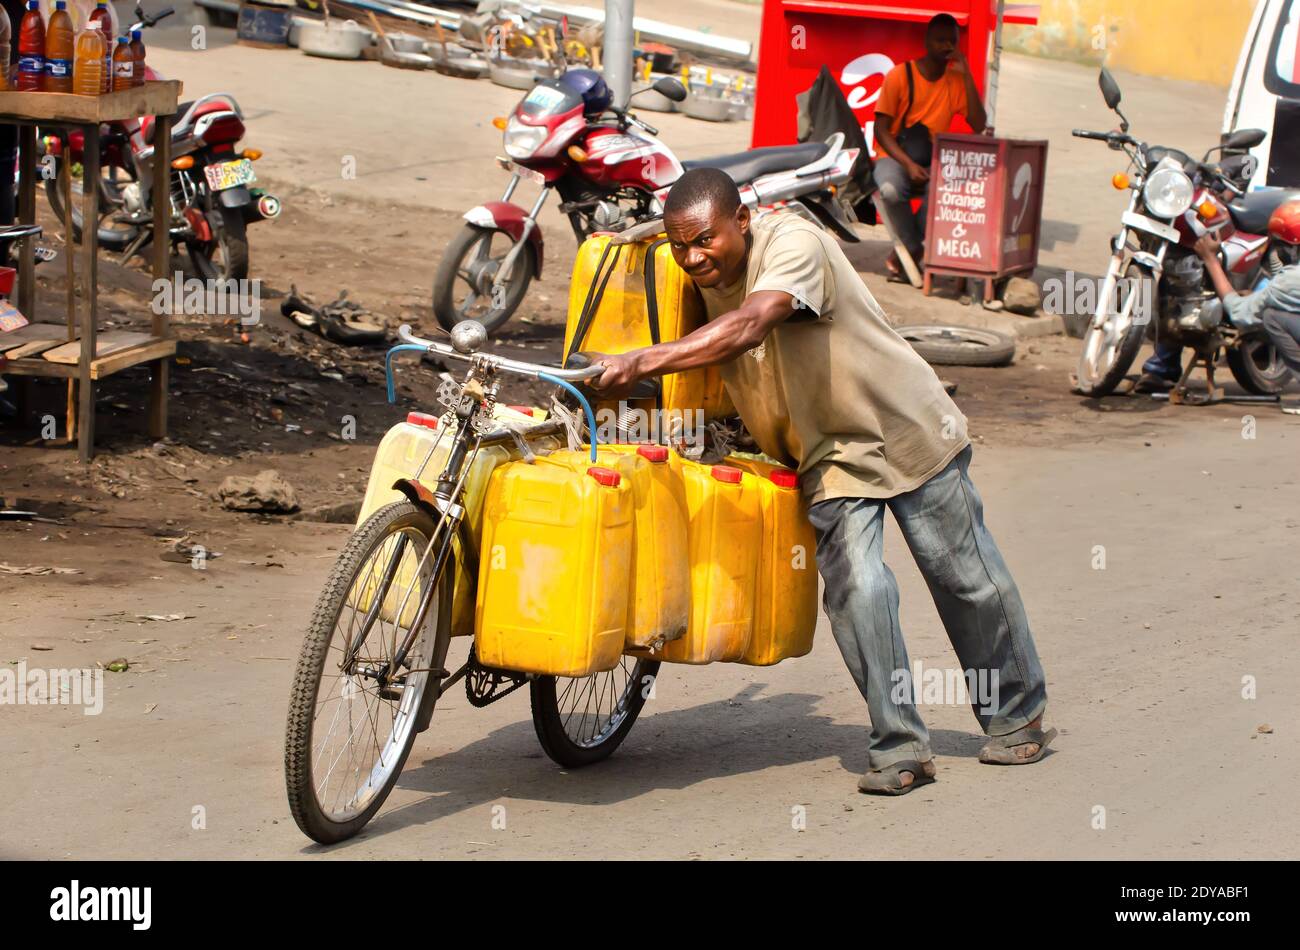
column 381, row 628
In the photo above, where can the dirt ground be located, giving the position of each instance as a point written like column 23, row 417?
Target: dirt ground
column 1144, row 661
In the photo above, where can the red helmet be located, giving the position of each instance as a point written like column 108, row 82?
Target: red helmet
column 1284, row 222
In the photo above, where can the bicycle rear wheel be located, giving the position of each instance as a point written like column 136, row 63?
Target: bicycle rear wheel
column 581, row 721
column 350, row 730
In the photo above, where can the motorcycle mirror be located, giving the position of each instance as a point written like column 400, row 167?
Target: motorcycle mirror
column 1244, row 139
column 1109, row 88
column 670, row 87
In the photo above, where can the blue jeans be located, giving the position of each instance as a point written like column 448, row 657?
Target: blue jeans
column 897, row 191
column 1166, row 362
column 943, row 524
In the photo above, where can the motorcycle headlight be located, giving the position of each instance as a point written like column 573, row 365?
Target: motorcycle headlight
column 1167, row 193
column 520, row 140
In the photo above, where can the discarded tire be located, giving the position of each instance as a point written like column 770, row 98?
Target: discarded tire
column 960, row 346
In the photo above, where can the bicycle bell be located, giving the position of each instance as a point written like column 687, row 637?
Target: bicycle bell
column 468, row 336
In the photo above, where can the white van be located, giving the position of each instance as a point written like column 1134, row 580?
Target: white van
column 1265, row 92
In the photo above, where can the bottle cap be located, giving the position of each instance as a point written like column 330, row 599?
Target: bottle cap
column 726, row 473
column 135, row 34
column 61, row 5
column 784, row 478
column 424, row 419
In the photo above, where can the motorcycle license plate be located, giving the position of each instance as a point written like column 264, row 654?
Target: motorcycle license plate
column 230, row 174
column 1132, row 219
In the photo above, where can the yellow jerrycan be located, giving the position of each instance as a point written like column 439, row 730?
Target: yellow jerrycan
column 556, row 566
column 724, row 535
column 660, row 598
column 785, row 609
column 626, row 296
column 413, row 449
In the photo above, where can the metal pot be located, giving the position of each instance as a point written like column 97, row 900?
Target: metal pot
column 711, row 108
column 405, row 43
column 334, row 41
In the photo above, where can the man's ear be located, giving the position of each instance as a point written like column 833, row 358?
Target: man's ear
column 742, row 218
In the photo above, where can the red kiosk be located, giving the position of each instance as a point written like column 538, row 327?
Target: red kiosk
column 862, row 41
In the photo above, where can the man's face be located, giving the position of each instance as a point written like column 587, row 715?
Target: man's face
column 709, row 245
column 941, row 44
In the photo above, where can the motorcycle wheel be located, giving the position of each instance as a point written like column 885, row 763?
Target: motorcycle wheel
column 225, row 257
column 470, row 263
column 1109, row 350
column 1256, row 367
column 112, row 235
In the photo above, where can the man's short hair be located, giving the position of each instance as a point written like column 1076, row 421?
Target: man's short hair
column 941, row 21
column 703, row 187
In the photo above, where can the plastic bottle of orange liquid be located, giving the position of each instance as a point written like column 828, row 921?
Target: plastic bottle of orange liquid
column 101, row 18
column 59, row 41
column 31, row 49
column 123, row 64
column 137, row 52
column 88, row 64
column 6, row 44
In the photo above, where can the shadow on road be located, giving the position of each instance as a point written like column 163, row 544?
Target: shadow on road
column 672, row 750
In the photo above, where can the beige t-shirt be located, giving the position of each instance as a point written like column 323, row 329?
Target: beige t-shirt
column 834, row 391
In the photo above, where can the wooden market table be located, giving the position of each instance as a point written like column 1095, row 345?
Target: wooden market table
column 94, row 362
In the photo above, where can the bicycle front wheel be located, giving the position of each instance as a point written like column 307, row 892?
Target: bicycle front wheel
column 351, row 726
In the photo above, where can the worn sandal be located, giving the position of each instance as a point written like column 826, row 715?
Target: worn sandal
column 889, row 780
column 1000, row 750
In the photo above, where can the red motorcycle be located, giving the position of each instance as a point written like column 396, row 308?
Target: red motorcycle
column 612, row 173
column 1157, row 286
column 212, row 202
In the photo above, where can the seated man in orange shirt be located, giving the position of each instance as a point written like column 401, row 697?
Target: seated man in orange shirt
column 918, row 101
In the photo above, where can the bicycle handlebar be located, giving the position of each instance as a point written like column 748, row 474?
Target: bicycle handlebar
column 535, row 370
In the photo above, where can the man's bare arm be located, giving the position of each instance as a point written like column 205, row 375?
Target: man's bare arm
column 718, row 341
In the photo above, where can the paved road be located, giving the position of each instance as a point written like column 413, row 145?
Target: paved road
column 1145, row 662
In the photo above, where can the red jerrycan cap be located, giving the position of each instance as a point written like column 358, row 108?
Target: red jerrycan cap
column 523, row 410
column 784, row 478
column 726, row 473
column 654, row 453
column 422, row 419
column 605, row 476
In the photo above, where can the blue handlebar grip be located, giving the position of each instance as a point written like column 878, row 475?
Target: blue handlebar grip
column 591, row 416
column 388, row 366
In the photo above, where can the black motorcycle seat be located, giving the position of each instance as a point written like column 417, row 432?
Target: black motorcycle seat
column 744, row 167
column 1251, row 211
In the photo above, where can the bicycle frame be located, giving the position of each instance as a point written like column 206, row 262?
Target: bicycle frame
column 475, row 400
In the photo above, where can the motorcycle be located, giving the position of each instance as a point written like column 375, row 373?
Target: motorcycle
column 212, row 202
column 612, row 173
column 1175, row 200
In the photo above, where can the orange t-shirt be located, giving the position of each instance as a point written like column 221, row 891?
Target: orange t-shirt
column 933, row 103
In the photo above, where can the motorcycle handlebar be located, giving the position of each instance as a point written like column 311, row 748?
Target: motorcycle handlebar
column 407, row 335
column 1085, row 134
